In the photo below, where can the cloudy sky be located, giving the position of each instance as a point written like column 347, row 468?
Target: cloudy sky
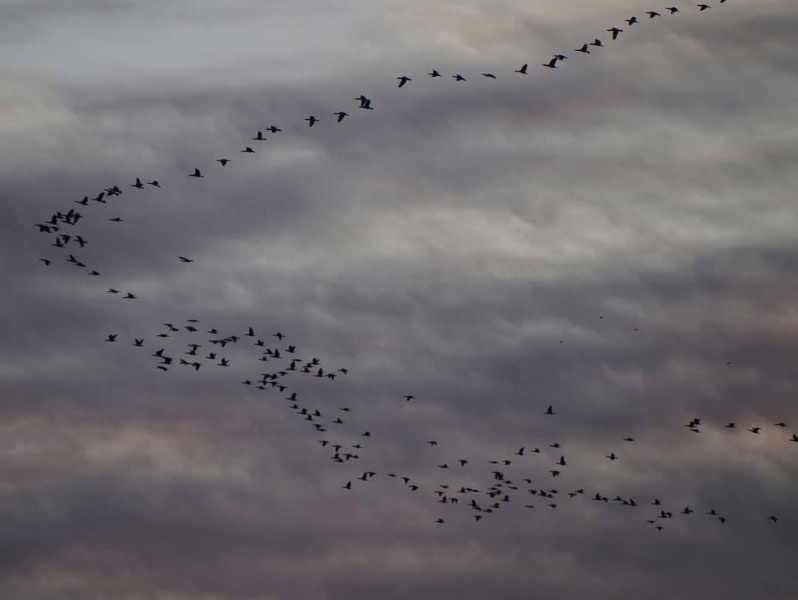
column 616, row 238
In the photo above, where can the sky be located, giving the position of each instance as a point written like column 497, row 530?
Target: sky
column 615, row 238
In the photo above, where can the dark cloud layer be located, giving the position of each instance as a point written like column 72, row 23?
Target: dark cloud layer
column 615, row 238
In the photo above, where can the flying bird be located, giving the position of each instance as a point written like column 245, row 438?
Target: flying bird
column 138, row 184
column 523, row 69
column 703, row 7
column 458, row 77
column 615, row 32
column 311, row 120
column 552, row 64
column 223, row 161
column 154, row 183
column 259, row 137
column 434, row 73
column 248, row 150
column 183, row 259
column 583, row 49
column 341, row 114
column 403, row 80
column 489, row 75
column 196, row 173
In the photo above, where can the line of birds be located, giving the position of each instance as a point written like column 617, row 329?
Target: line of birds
column 499, row 492
column 72, row 217
column 484, row 501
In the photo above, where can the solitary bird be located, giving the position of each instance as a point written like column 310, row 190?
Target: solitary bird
column 584, row 49
column 185, row 260
column 549, row 410
column 434, row 73
column 259, row 137
column 703, row 7
column 311, row 120
column 409, row 398
column 615, row 32
column 631, row 21
column 111, row 337
column 673, row 9
column 599, row 44
column 273, row 129
column 403, row 80
column 154, row 183
column 489, row 75
column 196, row 173
column 223, row 161
column 248, row 150
column 458, row 77
column 523, row 69
column 652, row 13
column 552, row 64
column 138, row 184
column 341, row 114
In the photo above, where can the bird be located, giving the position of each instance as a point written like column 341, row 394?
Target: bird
column 311, row 120
column 598, row 43
column 138, row 184
column 196, row 173
column 772, row 518
column 259, row 137
column 615, row 32
column 523, row 69
column 273, row 129
column 129, row 296
column 652, row 13
column 703, row 7
column 583, row 49
column 489, row 75
column 46, row 261
column 560, row 57
column 549, row 410
column 631, row 21
column 138, row 343
column 248, row 150
column 223, row 161
column 183, row 259
column 341, row 114
column 755, row 429
column 552, row 64
column 403, row 80
column 794, row 438
column 628, row 439
column 780, row 424
column 409, row 398
column 673, row 9
column 612, row 456
column 730, row 425
column 116, row 219
column 154, row 183
column 434, row 73
column 458, row 77
column 348, row 485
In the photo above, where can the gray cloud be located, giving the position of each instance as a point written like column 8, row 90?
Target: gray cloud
column 615, row 238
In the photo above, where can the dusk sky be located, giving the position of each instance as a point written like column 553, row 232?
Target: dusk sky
column 616, row 238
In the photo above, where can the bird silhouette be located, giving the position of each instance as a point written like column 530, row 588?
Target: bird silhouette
column 311, row 120
column 403, row 80
column 196, row 173
column 523, row 69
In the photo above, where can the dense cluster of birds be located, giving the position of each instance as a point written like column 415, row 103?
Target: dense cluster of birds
column 285, row 363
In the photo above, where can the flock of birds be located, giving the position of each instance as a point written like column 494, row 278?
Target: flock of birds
column 501, row 488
